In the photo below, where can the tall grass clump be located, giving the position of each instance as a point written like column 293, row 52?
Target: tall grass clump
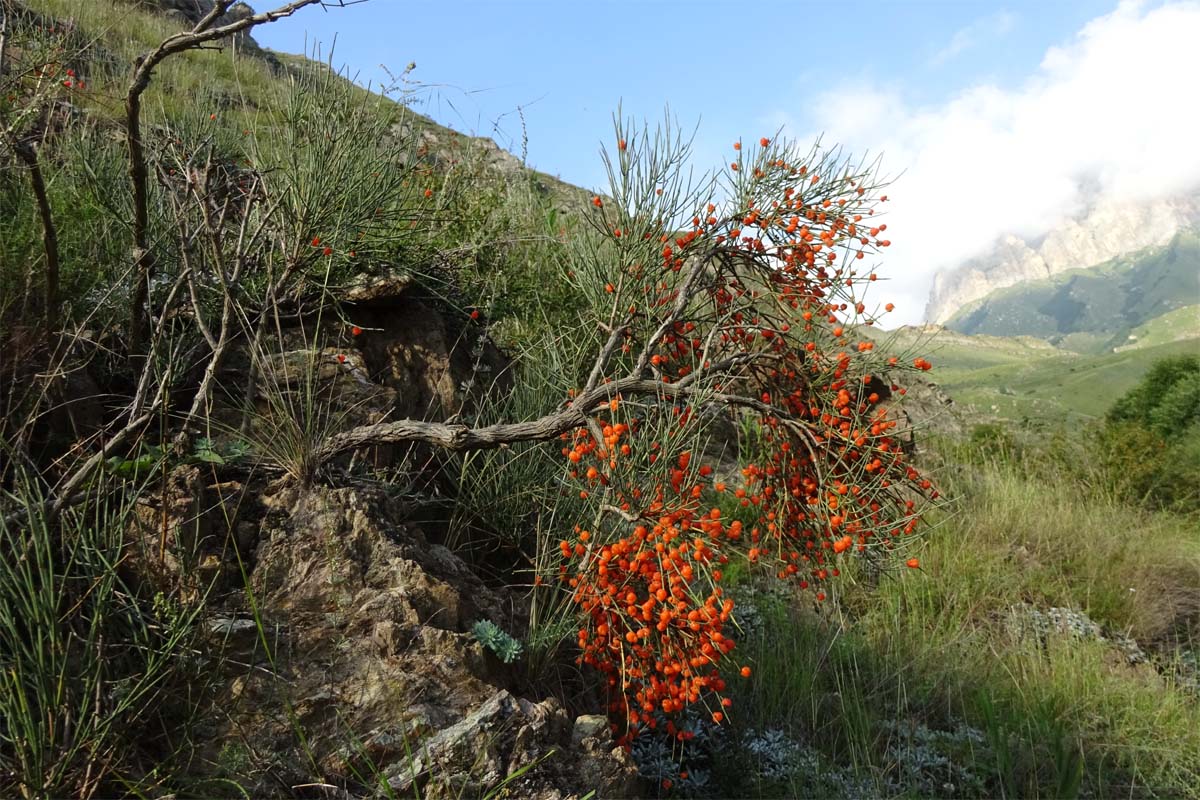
column 1042, row 651
column 88, row 661
column 1046, row 650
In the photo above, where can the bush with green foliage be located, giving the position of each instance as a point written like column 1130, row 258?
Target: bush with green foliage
column 1167, row 399
column 1149, row 444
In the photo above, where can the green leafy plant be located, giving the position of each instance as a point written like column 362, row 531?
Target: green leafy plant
column 137, row 466
column 1166, row 400
column 1149, row 446
column 206, row 451
column 491, row 636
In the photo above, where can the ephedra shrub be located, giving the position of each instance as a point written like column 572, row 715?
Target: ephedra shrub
column 736, row 295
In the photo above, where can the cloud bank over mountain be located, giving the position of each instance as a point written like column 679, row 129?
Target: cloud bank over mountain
column 1108, row 116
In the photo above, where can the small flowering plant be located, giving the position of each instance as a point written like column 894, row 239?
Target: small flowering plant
column 741, row 294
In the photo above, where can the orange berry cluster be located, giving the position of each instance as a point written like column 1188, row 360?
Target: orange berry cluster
column 653, row 615
column 758, row 308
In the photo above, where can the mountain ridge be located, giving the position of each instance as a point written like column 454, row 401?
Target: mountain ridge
column 1106, row 231
column 1092, row 309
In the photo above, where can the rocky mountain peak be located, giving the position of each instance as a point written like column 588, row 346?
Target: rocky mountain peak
column 1106, row 230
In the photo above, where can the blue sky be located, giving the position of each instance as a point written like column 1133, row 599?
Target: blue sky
column 568, row 64
column 880, row 76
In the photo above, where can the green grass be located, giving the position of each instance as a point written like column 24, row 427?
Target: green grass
column 87, row 656
column 1055, row 387
column 1018, row 378
column 489, row 236
column 933, row 648
column 953, row 353
column 1182, row 323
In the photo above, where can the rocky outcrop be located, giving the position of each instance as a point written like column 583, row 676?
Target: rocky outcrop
column 1106, row 231
column 927, row 411
column 438, row 365
column 390, row 350
column 339, row 633
column 355, row 667
column 188, row 12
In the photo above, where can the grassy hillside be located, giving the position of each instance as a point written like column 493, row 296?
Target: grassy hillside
column 1051, row 387
column 1022, row 377
column 1182, row 323
column 1034, row 636
column 1095, row 309
column 956, row 352
column 491, row 230
column 246, row 85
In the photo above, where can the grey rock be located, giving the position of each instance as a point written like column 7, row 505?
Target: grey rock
column 373, row 657
column 186, row 13
column 589, row 726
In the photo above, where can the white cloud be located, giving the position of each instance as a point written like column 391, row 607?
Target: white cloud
column 1113, row 112
column 964, row 39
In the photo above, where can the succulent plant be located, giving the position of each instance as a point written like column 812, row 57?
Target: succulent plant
column 491, row 636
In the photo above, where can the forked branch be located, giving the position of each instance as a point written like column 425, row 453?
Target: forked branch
column 143, row 70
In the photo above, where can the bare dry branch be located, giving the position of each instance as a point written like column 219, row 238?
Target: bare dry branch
column 27, row 153
column 579, row 412
column 143, row 70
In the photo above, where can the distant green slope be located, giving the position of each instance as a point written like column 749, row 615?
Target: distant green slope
column 1093, row 310
column 1057, row 387
column 1182, row 323
column 953, row 352
column 1022, row 378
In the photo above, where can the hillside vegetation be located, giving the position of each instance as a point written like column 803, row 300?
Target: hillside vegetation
column 1095, row 309
column 1046, row 386
column 343, row 456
